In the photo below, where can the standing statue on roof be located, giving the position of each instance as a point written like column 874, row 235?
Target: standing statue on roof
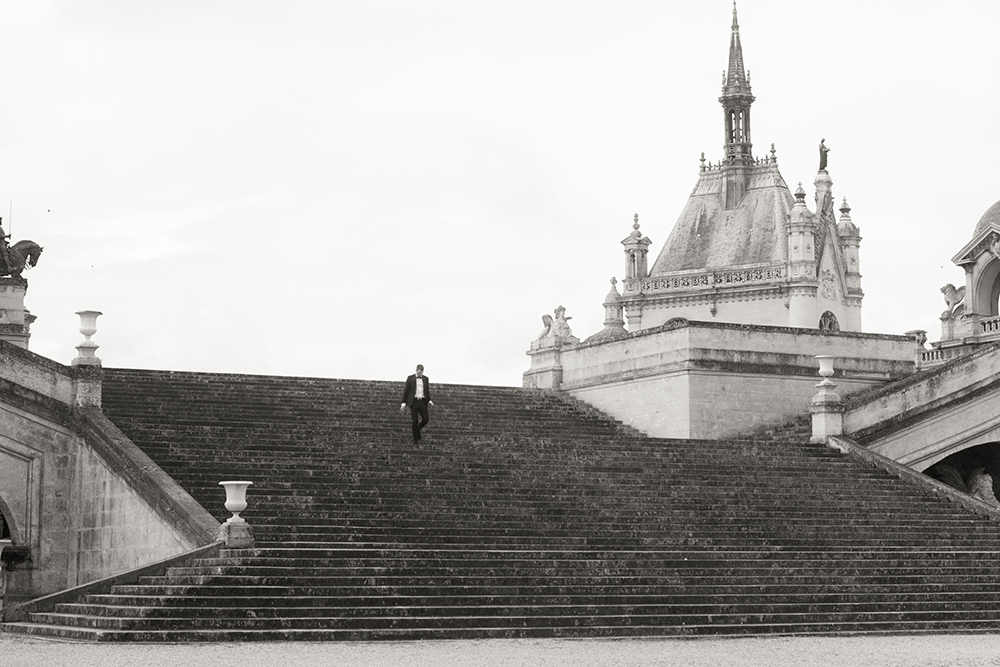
column 14, row 259
column 823, row 150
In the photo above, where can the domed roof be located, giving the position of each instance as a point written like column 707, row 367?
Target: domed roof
column 990, row 219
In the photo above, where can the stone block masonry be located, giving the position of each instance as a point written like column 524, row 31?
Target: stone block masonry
column 76, row 495
column 715, row 380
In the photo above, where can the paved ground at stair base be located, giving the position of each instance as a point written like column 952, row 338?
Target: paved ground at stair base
column 889, row 651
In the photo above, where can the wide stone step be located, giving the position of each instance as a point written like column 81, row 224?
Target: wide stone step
column 540, row 620
column 724, row 601
column 713, row 628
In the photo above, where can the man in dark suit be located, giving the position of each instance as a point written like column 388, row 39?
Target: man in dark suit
column 417, row 395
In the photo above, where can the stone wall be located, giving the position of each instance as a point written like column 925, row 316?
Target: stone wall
column 80, row 497
column 715, row 380
column 114, row 529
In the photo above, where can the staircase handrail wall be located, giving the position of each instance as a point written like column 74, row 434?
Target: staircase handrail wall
column 883, row 410
column 47, row 603
column 907, row 474
column 170, row 501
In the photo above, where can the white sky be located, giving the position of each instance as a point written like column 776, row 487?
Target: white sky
column 345, row 189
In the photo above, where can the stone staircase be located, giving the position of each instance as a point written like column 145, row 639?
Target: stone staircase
column 523, row 514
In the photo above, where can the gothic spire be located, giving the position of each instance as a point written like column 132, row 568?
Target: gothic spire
column 736, row 100
column 736, row 76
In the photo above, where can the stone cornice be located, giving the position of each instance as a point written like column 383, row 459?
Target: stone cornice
column 681, row 323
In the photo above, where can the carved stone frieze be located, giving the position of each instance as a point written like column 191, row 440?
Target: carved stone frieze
column 660, row 284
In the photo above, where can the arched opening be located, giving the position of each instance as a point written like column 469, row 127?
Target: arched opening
column 987, row 290
column 828, row 322
column 965, row 470
column 7, row 529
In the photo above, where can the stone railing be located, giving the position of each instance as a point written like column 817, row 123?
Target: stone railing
column 990, row 325
column 760, row 275
column 935, row 356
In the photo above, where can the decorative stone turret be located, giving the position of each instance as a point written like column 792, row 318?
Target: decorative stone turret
column 636, row 252
column 614, row 325
column 802, row 231
column 850, row 243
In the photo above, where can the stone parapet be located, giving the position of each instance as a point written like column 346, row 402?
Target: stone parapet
column 709, row 380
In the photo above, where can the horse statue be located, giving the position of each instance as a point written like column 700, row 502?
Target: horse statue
column 22, row 255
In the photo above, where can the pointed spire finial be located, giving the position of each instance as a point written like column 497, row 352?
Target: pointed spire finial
column 635, row 224
column 845, row 208
column 736, row 80
column 800, row 194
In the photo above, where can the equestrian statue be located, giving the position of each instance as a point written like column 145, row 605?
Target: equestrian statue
column 14, row 259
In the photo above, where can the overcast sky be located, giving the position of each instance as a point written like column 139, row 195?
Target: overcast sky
column 345, row 189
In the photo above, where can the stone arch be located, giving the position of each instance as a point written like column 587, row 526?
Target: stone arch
column 986, row 288
column 966, row 463
column 828, row 322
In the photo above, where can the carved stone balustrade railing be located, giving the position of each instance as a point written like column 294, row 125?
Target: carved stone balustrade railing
column 990, row 325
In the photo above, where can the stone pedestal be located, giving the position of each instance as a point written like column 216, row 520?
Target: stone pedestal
column 236, row 535
column 546, row 370
column 15, row 322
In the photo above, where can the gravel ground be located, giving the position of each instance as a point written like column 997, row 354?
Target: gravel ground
column 890, row 651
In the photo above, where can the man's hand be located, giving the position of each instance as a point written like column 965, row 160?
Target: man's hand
column 402, row 407
column 430, row 403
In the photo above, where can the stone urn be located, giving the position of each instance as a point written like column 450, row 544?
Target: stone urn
column 825, row 366
column 236, row 499
column 235, row 532
column 87, row 349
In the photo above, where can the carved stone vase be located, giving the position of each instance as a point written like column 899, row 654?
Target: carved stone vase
column 235, row 532
column 825, row 365
column 236, row 499
column 88, row 348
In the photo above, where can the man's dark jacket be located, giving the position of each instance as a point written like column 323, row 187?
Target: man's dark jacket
column 410, row 390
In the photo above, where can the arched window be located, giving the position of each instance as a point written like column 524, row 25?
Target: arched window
column 828, row 322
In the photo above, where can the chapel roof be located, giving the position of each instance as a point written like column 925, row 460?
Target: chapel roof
column 706, row 236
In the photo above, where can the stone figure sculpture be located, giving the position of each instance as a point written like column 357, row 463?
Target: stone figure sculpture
column 20, row 256
column 981, row 488
column 560, row 327
column 954, row 298
column 547, row 321
column 14, row 259
column 823, row 150
column 995, row 248
column 556, row 327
